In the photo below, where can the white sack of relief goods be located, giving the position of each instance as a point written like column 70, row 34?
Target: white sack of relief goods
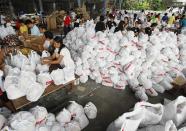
column 12, row 88
column 75, row 109
column 128, row 122
column 34, row 57
column 51, row 119
column 42, row 127
column 82, row 121
column 22, row 121
column 45, row 79
column 58, row 76
column 83, row 78
column 182, row 129
column 152, row 113
column 90, row 110
column 45, row 54
column 63, row 117
column 140, row 93
column 42, row 68
column 17, row 60
column 40, row 114
column 3, row 121
column 176, row 111
column 26, row 79
column 35, row 91
column 158, row 87
column 57, row 127
column 72, row 126
column 169, row 126
column 68, row 74
column 14, row 72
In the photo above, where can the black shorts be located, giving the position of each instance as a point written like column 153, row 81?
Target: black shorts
column 4, row 97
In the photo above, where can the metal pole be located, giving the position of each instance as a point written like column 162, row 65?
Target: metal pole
column 54, row 6
column 11, row 8
column 120, row 4
column 104, row 7
column 41, row 5
column 79, row 3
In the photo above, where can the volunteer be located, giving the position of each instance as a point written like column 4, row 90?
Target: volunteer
column 67, row 23
column 23, row 28
column 48, row 36
column 111, row 23
column 60, row 58
column 120, row 26
column 33, row 28
column 42, row 28
column 100, row 26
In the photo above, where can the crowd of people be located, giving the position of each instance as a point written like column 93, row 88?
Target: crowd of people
column 115, row 21
column 141, row 22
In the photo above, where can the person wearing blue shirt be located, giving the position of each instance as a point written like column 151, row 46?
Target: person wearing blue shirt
column 165, row 18
column 33, row 28
column 183, row 22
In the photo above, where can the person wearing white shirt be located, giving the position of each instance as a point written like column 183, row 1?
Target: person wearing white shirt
column 48, row 36
column 61, row 56
column 33, row 28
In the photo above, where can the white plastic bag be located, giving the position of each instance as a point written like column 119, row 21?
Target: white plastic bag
column 57, row 127
column 75, row 109
column 152, row 113
column 42, row 127
column 64, row 116
column 40, row 114
column 176, row 111
column 2, row 121
column 90, row 110
column 34, row 92
column 23, row 121
column 51, row 119
column 128, row 122
column 82, row 120
column 34, row 57
column 12, row 89
column 42, row 68
column 72, row 126
column 45, row 79
column 45, row 54
column 68, row 74
column 58, row 76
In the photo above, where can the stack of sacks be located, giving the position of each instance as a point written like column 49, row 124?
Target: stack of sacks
column 38, row 119
column 147, row 64
column 152, row 117
column 20, row 76
column 27, row 76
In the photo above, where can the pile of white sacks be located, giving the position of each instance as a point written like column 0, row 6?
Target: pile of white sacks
column 147, row 64
column 74, row 118
column 153, row 117
column 26, row 76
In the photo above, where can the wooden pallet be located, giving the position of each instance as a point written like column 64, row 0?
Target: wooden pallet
column 22, row 101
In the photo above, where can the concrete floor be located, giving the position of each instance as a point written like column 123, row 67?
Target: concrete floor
column 110, row 102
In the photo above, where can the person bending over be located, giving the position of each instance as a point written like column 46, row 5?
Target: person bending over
column 60, row 58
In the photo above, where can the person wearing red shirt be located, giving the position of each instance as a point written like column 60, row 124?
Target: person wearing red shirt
column 67, row 23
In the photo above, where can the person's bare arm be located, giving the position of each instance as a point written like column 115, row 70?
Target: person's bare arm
column 56, row 61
